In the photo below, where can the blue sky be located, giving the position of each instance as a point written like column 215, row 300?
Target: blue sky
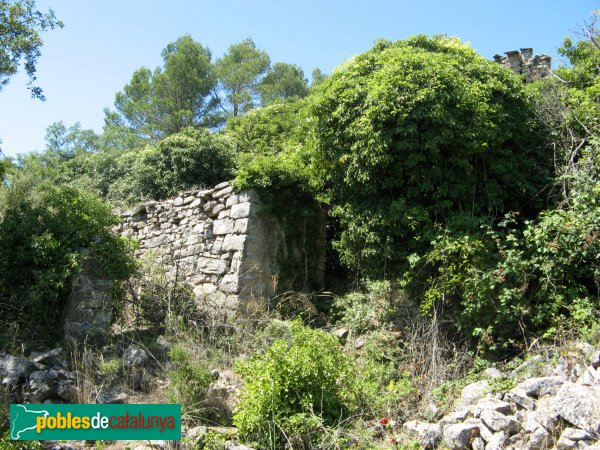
column 87, row 62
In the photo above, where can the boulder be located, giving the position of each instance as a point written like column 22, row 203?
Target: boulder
column 471, row 393
column 460, row 435
column 43, row 384
column 15, row 369
column 491, row 404
column 455, row 417
column 540, row 439
column 579, row 405
column 111, row 396
column 499, row 422
column 520, row 398
column 135, row 356
column 53, row 358
column 540, row 386
column 427, row 434
column 496, row 442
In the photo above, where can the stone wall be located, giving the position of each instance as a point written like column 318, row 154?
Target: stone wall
column 88, row 311
column 224, row 245
column 523, row 62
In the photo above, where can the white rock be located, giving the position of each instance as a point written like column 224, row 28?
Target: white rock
column 520, row 397
column 428, row 434
column 496, row 442
column 473, row 392
column 499, row 422
column 242, row 210
column 224, row 226
column 454, row 417
column 493, row 404
column 460, row 435
column 540, row 386
column 579, row 405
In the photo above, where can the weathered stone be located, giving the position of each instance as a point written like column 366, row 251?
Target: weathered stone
column 460, row 435
column 43, row 385
column 454, row 417
column 428, row 435
column 234, row 243
column 68, row 391
column 579, row 405
column 564, row 443
column 14, row 369
column 242, row 210
column 520, row 397
column 473, row 392
column 53, row 358
column 478, row 444
column 538, row 387
column 546, row 414
column 241, row 226
column 496, row 442
column 539, row 439
column 178, row 201
column 222, row 192
column 134, row 356
column 229, row 284
column 212, row 265
column 111, row 396
column 341, row 333
column 499, row 422
column 491, row 404
column 224, row 226
column 575, row 434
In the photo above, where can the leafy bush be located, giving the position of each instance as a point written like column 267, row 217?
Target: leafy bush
column 366, row 310
column 410, row 134
column 190, row 158
column 188, row 381
column 519, row 278
column 43, row 230
column 293, row 380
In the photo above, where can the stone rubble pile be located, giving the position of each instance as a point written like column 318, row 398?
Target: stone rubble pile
column 558, row 410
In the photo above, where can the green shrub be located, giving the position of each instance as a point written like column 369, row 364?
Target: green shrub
column 366, row 310
column 292, row 382
column 43, row 230
column 188, row 382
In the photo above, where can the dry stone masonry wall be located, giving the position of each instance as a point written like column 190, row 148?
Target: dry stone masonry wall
column 523, row 62
column 217, row 241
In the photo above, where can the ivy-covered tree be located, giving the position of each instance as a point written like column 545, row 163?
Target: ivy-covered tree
column 416, row 134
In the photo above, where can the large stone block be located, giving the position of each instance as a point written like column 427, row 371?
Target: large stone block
column 212, row 265
column 242, row 210
column 234, row 243
column 223, row 226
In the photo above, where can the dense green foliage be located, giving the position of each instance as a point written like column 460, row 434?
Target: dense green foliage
column 540, row 276
column 43, row 230
column 188, row 382
column 305, row 383
column 190, row 158
column 20, row 27
column 413, row 134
